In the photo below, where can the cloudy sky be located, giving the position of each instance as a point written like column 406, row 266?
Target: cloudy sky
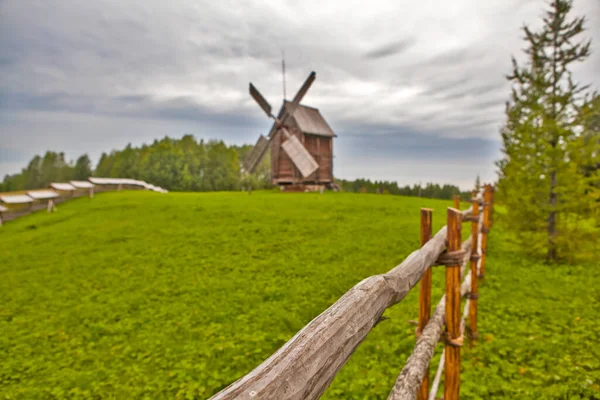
column 414, row 89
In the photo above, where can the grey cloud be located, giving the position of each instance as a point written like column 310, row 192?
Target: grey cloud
column 132, row 106
column 187, row 65
column 390, row 49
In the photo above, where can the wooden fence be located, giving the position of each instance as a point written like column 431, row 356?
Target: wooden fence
column 306, row 365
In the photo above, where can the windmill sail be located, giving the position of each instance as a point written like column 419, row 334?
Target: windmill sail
column 305, row 86
column 291, row 108
column 256, row 154
column 301, row 158
column 260, row 100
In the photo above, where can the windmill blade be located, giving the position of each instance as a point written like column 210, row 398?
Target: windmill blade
column 255, row 155
column 305, row 86
column 266, row 107
column 301, row 158
column 291, row 107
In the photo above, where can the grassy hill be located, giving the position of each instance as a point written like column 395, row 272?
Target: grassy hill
column 137, row 295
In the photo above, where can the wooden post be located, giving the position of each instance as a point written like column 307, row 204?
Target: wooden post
column 491, row 218
column 456, row 198
column 425, row 294
column 474, row 295
column 487, row 194
column 453, row 297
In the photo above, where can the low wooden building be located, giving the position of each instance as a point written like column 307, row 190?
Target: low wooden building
column 64, row 190
column 43, row 199
column 15, row 205
column 109, row 184
column 82, row 188
column 2, row 211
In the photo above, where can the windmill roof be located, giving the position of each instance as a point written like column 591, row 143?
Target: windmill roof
column 309, row 121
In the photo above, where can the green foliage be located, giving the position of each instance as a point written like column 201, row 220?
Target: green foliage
column 175, row 164
column 545, row 179
column 477, row 183
column 41, row 171
column 139, row 295
column 429, row 190
column 185, row 165
column 83, row 168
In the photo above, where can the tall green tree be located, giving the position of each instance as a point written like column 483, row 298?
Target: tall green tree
column 540, row 175
column 83, row 168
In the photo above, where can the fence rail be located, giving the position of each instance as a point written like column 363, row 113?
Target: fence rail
column 306, row 365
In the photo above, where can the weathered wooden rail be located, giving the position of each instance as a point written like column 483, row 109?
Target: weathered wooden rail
column 306, row 365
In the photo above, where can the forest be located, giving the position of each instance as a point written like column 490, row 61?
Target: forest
column 176, row 164
column 188, row 165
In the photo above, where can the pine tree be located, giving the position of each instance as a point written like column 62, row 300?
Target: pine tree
column 83, row 168
column 540, row 176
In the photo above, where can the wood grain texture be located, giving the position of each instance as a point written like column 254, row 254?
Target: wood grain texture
column 305, row 366
column 408, row 383
column 456, row 201
column 474, row 287
column 486, row 225
column 425, row 294
column 453, row 297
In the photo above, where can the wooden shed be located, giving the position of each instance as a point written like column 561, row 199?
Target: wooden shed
column 83, row 188
column 15, row 205
column 65, row 190
column 43, row 199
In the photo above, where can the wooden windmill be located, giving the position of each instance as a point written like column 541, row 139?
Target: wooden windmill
column 301, row 144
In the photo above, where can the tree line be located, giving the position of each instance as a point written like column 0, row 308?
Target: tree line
column 43, row 170
column 429, row 190
column 176, row 164
column 187, row 164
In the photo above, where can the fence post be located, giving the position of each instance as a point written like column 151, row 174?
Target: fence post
column 474, row 295
column 492, row 190
column 453, row 312
column 456, row 198
column 425, row 295
column 487, row 197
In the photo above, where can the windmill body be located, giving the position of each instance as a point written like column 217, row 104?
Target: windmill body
column 300, row 141
column 312, row 131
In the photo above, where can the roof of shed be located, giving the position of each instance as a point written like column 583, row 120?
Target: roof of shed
column 65, row 187
column 82, row 184
column 42, row 194
column 16, row 199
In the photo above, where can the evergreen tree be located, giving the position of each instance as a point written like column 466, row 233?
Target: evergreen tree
column 83, row 168
column 540, row 176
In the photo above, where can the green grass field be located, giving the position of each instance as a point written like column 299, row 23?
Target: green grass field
column 137, row 295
